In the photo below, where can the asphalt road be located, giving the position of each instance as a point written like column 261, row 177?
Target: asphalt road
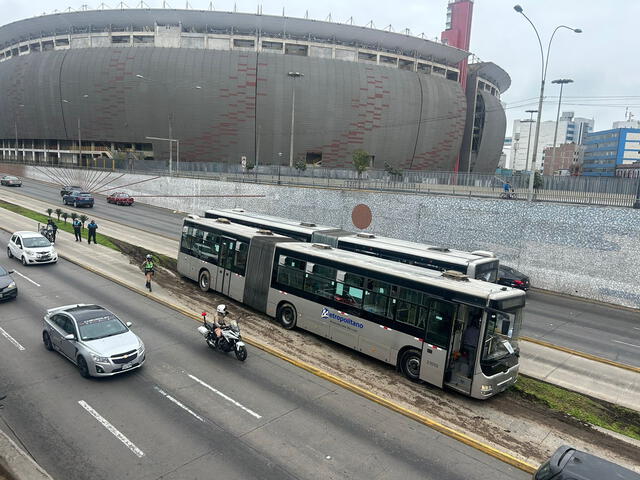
column 194, row 413
column 600, row 330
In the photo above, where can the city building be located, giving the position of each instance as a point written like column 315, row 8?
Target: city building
column 570, row 130
column 566, row 161
column 81, row 84
column 608, row 150
column 628, row 171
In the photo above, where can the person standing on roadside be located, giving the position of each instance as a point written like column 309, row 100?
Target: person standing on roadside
column 54, row 231
column 92, row 227
column 77, row 229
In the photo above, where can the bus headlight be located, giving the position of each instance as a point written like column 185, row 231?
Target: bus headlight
column 486, row 389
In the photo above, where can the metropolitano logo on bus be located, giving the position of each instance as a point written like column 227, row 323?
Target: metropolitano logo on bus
column 343, row 320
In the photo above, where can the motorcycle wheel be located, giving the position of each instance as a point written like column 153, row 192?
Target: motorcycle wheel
column 241, row 353
column 212, row 344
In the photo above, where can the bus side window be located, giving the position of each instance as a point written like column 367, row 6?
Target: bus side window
column 240, row 262
column 349, row 288
column 439, row 322
column 186, row 245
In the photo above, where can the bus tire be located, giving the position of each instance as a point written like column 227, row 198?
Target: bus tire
column 287, row 316
column 410, row 364
column 204, row 280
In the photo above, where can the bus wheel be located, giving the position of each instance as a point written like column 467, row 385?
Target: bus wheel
column 410, row 364
column 204, row 280
column 287, row 316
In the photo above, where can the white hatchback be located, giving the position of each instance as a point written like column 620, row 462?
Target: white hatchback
column 31, row 248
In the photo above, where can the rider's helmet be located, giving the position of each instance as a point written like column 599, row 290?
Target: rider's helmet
column 222, row 309
column 149, row 257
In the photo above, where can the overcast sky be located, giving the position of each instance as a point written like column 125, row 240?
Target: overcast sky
column 601, row 60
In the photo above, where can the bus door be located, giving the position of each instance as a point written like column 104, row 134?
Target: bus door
column 439, row 321
column 225, row 263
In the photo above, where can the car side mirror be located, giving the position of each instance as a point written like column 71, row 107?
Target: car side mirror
column 71, row 336
column 129, row 324
column 10, row 272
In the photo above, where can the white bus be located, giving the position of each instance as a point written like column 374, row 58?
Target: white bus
column 439, row 327
column 478, row 264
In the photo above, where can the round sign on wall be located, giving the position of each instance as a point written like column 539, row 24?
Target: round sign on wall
column 361, row 216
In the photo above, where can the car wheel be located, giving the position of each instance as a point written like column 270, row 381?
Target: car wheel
column 287, row 316
column 9, row 254
column 410, row 364
column 24, row 261
column 83, row 368
column 46, row 339
column 204, row 281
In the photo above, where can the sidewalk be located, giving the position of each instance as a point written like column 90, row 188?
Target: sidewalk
column 463, row 413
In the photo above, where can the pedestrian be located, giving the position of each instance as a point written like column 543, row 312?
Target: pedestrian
column 53, row 229
column 149, row 270
column 77, row 229
column 92, row 227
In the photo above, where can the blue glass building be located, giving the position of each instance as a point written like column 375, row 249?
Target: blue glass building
column 608, row 149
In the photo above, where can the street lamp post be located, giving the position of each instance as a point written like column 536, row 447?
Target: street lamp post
column 79, row 132
column 293, row 75
column 530, row 122
column 562, row 82
column 545, row 64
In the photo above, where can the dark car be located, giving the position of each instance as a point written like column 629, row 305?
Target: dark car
column 10, row 181
column 8, row 288
column 78, row 199
column 67, row 189
column 512, row 278
column 567, row 463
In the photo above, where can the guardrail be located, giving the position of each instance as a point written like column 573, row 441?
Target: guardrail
column 602, row 191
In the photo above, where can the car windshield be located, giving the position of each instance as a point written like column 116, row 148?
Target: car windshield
column 502, row 333
column 100, row 327
column 36, row 242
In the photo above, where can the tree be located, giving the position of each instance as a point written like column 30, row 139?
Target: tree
column 361, row 161
column 64, row 215
column 58, row 212
column 301, row 166
column 83, row 218
column 538, row 181
column 395, row 173
column 49, row 211
column 73, row 215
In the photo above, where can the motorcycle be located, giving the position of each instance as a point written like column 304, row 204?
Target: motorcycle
column 229, row 339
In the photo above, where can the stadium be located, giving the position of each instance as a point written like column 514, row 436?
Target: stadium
column 223, row 86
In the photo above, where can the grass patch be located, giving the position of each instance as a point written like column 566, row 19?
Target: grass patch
column 62, row 225
column 580, row 407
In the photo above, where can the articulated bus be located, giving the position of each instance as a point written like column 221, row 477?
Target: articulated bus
column 439, row 327
column 478, row 264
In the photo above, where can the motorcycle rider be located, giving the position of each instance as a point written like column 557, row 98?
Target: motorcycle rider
column 219, row 323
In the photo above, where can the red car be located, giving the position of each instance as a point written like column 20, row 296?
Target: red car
column 120, row 198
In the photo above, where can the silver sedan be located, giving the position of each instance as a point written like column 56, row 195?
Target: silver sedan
column 94, row 339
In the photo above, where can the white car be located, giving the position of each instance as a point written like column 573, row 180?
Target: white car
column 31, row 248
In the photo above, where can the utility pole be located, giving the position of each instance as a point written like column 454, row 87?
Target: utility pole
column 293, row 75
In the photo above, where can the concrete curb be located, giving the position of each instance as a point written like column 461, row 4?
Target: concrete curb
column 17, row 464
column 578, row 353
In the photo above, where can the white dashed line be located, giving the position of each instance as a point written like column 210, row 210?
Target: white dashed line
column 4, row 333
column 26, row 278
column 105, row 423
column 625, row 343
column 178, row 403
column 227, row 398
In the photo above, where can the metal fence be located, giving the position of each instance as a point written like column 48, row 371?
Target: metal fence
column 606, row 191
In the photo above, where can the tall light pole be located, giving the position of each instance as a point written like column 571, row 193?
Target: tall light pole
column 530, row 122
column 543, row 76
column 79, row 132
column 293, row 75
column 562, row 82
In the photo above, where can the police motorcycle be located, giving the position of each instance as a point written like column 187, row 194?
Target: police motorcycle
column 229, row 337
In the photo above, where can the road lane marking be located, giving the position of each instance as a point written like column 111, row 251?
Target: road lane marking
column 11, row 339
column 26, row 278
column 636, row 328
column 625, row 343
column 178, row 403
column 105, row 423
column 227, row 398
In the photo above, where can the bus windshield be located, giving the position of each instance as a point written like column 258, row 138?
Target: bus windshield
column 501, row 334
column 487, row 271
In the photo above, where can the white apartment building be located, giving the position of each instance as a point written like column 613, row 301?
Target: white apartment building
column 570, row 129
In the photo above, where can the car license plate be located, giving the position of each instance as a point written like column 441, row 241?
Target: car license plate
column 127, row 366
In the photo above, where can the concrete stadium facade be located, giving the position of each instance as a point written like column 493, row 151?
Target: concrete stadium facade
column 218, row 82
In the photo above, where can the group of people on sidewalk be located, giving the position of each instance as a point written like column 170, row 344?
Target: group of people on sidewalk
column 51, row 230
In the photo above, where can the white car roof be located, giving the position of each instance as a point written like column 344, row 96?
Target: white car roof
column 27, row 234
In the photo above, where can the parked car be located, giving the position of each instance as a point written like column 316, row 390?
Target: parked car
column 10, row 181
column 8, row 287
column 120, row 198
column 567, row 463
column 94, row 339
column 67, row 189
column 512, row 278
column 78, row 199
column 31, row 248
